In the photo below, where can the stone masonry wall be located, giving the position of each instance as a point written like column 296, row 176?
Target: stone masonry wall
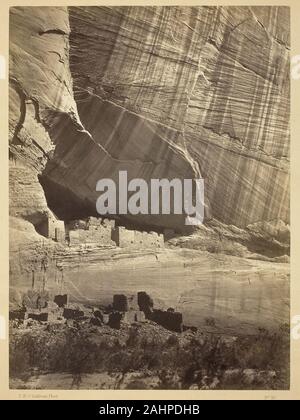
column 90, row 231
column 137, row 239
column 103, row 231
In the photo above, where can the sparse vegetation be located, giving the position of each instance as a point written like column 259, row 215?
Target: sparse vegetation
column 179, row 361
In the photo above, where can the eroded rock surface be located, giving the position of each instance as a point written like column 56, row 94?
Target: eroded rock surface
column 159, row 92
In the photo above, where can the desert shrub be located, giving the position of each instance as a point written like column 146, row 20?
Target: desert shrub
column 19, row 362
column 136, row 384
column 265, row 350
column 179, row 361
column 79, row 354
column 151, row 361
column 133, row 338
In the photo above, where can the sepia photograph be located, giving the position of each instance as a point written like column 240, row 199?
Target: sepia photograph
column 149, row 198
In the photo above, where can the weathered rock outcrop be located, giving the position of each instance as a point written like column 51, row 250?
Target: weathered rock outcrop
column 157, row 91
column 161, row 92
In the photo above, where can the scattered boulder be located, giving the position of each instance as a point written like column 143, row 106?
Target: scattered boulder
column 130, row 317
column 106, row 319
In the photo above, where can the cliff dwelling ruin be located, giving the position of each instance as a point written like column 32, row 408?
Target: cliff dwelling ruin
column 99, row 231
column 161, row 93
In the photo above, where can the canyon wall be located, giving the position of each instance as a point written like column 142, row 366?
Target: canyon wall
column 161, row 92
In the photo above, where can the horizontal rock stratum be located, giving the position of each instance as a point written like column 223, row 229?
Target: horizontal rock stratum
column 161, row 92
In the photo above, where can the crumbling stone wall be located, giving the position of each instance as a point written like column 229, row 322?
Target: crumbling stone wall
column 70, row 313
column 52, row 228
column 61, row 300
column 131, row 317
column 135, row 239
column 169, row 319
column 35, row 299
column 172, row 321
column 123, row 237
column 148, row 239
column 90, row 231
column 103, row 231
column 120, row 303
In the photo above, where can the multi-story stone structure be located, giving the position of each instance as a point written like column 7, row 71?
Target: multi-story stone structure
column 90, row 231
column 52, row 228
column 103, row 231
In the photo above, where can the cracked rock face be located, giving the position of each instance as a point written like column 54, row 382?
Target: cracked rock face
column 161, row 92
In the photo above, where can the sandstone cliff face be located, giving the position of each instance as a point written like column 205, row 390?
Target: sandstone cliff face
column 161, row 92
column 157, row 91
column 40, row 81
